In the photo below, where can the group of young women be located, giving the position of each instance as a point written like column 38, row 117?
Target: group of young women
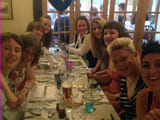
column 106, row 48
column 118, row 69
column 20, row 54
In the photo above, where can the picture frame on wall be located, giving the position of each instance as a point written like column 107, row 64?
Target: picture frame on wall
column 6, row 9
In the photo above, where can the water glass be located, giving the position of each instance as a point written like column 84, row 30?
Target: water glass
column 79, row 113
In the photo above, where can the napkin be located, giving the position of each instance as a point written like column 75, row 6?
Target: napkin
column 51, row 92
column 39, row 91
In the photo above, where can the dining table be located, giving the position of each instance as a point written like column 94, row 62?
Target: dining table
column 45, row 97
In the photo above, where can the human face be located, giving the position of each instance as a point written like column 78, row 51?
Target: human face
column 38, row 32
column 110, row 35
column 151, row 70
column 97, row 30
column 82, row 27
column 124, row 62
column 47, row 25
column 11, row 54
column 28, row 55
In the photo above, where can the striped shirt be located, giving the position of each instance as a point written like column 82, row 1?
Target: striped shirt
column 129, row 105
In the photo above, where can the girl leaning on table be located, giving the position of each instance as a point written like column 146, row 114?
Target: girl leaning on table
column 11, row 50
column 148, row 100
column 24, row 71
column 127, row 62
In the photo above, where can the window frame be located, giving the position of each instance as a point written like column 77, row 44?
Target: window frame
column 139, row 7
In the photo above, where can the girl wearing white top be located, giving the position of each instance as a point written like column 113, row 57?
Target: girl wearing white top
column 81, row 45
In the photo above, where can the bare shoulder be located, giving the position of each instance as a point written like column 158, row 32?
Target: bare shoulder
column 141, row 98
column 141, row 104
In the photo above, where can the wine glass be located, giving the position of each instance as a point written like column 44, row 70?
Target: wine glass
column 79, row 113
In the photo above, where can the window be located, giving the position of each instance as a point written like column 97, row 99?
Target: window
column 140, row 18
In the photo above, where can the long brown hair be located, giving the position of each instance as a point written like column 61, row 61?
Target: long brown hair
column 97, row 46
column 48, row 36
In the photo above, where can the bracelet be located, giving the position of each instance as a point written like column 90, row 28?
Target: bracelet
column 27, row 88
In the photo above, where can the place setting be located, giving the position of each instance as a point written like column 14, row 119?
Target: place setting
column 67, row 93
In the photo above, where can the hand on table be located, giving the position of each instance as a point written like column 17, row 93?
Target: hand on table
column 90, row 75
column 93, row 70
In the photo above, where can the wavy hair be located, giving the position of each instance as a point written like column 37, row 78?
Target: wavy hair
column 117, row 26
column 97, row 46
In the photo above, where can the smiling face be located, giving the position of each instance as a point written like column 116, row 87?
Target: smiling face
column 124, row 62
column 151, row 70
column 110, row 35
column 28, row 55
column 47, row 25
column 11, row 54
column 97, row 30
column 38, row 32
column 82, row 27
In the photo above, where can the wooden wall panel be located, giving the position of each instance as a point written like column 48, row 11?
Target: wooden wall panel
column 139, row 24
column 111, row 11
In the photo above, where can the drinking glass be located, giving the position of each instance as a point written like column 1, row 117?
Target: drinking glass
column 66, row 87
column 79, row 113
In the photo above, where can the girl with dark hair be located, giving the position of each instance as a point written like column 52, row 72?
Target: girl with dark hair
column 148, row 99
column 81, row 45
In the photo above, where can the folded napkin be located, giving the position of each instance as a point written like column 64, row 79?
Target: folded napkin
column 51, row 92
column 38, row 91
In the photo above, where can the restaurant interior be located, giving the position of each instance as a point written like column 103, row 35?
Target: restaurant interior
column 64, row 88
column 32, row 10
